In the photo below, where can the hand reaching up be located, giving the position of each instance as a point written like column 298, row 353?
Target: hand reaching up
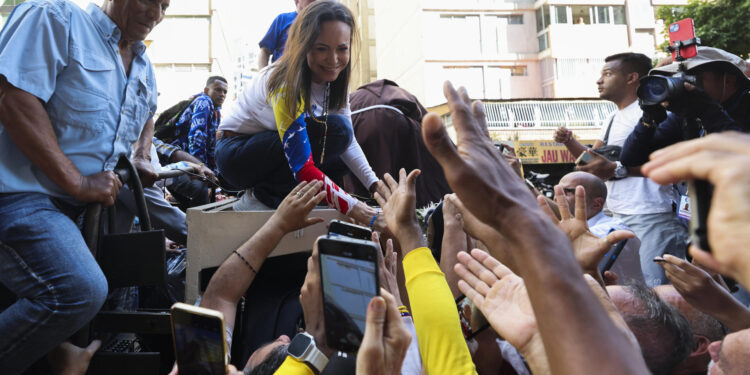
column 386, row 338
column 399, row 209
column 293, row 210
column 704, row 293
column 502, row 298
column 587, row 248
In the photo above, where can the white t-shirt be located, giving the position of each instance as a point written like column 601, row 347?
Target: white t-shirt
column 634, row 195
column 253, row 114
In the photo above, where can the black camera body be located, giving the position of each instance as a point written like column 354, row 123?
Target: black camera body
column 655, row 89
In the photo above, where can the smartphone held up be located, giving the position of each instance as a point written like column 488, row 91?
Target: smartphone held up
column 199, row 342
column 349, row 279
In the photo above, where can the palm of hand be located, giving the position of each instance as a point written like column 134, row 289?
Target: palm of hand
column 399, row 210
column 589, row 249
column 508, row 309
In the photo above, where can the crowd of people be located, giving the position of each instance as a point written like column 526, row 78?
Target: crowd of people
column 599, row 280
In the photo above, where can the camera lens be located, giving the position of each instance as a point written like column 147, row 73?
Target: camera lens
column 653, row 90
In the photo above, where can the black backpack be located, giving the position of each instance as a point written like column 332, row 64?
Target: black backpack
column 165, row 127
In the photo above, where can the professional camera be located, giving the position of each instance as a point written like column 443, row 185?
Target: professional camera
column 654, row 89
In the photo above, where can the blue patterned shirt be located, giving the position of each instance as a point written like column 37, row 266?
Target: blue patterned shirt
column 69, row 59
column 196, row 129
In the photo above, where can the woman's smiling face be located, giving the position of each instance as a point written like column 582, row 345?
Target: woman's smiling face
column 330, row 53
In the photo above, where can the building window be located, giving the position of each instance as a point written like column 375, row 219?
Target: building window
column 602, row 14
column 581, row 14
column 560, row 14
column 542, row 18
column 515, row 19
column 619, row 14
column 543, row 40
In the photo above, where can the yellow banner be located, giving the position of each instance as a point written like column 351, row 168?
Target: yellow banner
column 544, row 152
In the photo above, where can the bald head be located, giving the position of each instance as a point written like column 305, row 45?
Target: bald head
column 596, row 191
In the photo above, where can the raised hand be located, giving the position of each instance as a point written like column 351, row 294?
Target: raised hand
column 502, row 298
column 704, row 293
column 388, row 267
column 293, row 210
column 311, row 299
column 399, row 209
column 492, row 239
column 475, row 168
column 386, row 338
column 587, row 248
column 722, row 159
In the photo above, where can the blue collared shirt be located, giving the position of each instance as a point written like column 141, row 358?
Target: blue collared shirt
column 69, row 59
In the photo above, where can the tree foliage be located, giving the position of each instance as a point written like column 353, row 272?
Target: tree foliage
column 718, row 23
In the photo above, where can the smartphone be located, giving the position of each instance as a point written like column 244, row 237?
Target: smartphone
column 337, row 227
column 349, row 280
column 199, row 340
column 683, row 31
column 584, row 158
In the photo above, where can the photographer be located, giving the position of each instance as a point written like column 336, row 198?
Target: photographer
column 719, row 99
column 642, row 205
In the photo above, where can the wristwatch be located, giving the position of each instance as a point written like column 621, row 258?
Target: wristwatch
column 303, row 349
column 620, row 171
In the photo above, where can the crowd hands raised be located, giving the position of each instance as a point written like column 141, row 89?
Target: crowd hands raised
column 530, row 270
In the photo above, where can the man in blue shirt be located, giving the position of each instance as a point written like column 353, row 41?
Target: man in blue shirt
column 76, row 92
column 195, row 132
column 272, row 45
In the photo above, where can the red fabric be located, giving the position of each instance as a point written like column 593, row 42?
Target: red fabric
column 335, row 196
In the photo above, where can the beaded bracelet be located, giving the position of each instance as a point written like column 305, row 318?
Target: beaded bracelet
column 246, row 262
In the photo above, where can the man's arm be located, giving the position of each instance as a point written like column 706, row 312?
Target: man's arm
column 263, row 57
column 142, row 155
column 29, row 127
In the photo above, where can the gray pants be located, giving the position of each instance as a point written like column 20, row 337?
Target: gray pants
column 163, row 215
column 660, row 234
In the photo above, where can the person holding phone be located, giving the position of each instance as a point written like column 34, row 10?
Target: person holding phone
column 294, row 122
column 235, row 275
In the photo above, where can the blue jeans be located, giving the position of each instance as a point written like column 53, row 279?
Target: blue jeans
column 258, row 160
column 45, row 262
column 659, row 234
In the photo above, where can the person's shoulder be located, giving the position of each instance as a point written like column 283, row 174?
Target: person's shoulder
column 287, row 17
column 62, row 10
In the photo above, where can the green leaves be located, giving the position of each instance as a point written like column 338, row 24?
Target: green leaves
column 717, row 23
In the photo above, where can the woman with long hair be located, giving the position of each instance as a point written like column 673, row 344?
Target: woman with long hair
column 294, row 123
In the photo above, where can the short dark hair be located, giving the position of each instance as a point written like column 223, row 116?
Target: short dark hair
column 269, row 365
column 663, row 333
column 213, row 79
column 632, row 62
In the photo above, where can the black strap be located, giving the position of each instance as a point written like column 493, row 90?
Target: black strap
column 606, row 135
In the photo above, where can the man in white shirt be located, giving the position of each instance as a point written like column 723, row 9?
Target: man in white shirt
column 628, row 264
column 643, row 205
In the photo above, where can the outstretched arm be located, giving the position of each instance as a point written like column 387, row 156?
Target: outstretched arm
column 236, row 274
column 564, row 306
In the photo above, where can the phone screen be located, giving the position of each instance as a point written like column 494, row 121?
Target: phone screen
column 349, row 230
column 199, row 343
column 348, row 286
